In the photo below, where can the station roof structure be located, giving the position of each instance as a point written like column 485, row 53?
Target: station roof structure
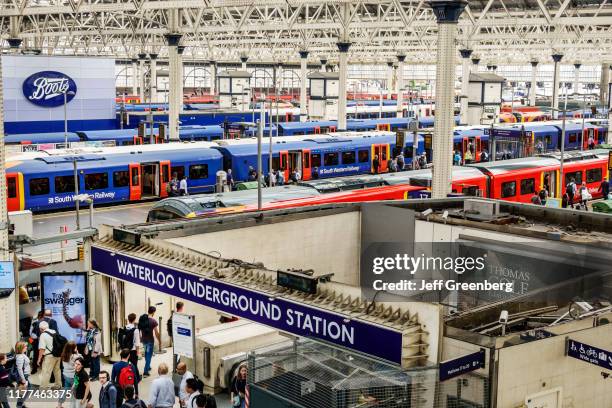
column 273, row 31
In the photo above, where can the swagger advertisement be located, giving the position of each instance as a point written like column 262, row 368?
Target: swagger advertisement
column 66, row 296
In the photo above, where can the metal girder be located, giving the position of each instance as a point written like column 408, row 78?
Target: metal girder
column 272, row 30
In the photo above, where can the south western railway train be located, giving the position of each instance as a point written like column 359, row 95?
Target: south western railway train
column 43, row 180
column 512, row 180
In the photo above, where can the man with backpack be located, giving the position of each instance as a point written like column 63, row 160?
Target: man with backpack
column 131, row 400
column 129, row 338
column 147, row 325
column 570, row 189
column 108, row 397
column 186, row 375
column 124, row 374
column 50, row 347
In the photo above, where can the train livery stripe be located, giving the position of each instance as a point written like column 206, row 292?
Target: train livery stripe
column 21, row 188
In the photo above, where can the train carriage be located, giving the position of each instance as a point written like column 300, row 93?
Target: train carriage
column 109, row 175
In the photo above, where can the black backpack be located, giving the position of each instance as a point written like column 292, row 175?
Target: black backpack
column 144, row 325
column 59, row 342
column 542, row 194
column 125, row 338
column 200, row 383
column 169, row 326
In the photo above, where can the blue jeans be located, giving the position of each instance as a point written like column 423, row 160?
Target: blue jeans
column 148, row 349
column 94, row 371
column 21, row 401
column 68, row 383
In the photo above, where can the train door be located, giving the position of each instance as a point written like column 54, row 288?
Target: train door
column 295, row 161
column 135, row 187
column 306, row 170
column 15, row 198
column 164, row 177
column 549, row 182
column 150, row 179
column 284, row 163
column 382, row 151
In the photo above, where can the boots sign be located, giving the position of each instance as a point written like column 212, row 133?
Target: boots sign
column 47, row 88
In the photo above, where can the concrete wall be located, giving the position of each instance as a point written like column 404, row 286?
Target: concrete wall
column 538, row 366
column 329, row 243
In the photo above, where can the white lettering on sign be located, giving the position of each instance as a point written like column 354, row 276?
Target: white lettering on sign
column 47, row 88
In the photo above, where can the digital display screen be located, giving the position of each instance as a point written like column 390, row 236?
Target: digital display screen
column 290, row 281
column 7, row 275
column 65, row 294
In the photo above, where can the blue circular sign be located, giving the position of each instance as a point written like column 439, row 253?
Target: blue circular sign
column 47, row 88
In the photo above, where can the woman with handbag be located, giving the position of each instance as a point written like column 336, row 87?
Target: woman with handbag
column 238, row 387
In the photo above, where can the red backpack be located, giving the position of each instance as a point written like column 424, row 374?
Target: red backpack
column 127, row 376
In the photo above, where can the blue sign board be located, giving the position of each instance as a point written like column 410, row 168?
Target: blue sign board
column 7, row 275
column 47, row 88
column 537, row 334
column 288, row 316
column 589, row 354
column 462, row 365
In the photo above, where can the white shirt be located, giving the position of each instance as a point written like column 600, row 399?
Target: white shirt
column 192, row 397
column 46, row 341
column 136, row 335
column 184, row 395
column 183, row 185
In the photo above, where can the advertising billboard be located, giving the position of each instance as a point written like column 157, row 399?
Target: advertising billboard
column 65, row 294
column 7, row 275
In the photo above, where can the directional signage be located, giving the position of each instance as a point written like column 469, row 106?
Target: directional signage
column 183, row 334
column 462, row 365
column 589, row 354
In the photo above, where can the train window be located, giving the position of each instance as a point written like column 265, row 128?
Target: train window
column 573, row 138
column 180, row 172
column 135, row 181
column 64, row 184
column 348, row 157
column 384, row 153
column 39, row 186
column 96, row 181
column 577, row 176
column 306, row 160
column 316, row 160
column 527, row 186
column 363, row 156
column 12, row 187
column 471, row 191
column 275, row 162
column 508, row 189
column 593, row 175
column 198, row 171
column 330, row 159
column 121, row 179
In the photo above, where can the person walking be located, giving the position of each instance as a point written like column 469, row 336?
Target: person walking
column 131, row 400
column 124, row 374
column 174, row 186
column 108, row 392
column 238, row 387
column 5, row 380
column 129, row 338
column 604, row 188
column 46, row 359
column 280, row 178
column 585, row 195
column 22, row 363
column 543, row 194
column 179, row 309
column 400, row 162
column 161, row 394
column 81, row 388
column 183, row 187
column 35, row 337
column 186, row 375
column 192, row 389
column 375, row 164
column 230, row 180
column 93, row 348
column 69, row 356
column 570, row 189
column 147, row 325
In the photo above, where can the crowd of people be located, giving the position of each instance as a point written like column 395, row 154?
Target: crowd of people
column 574, row 197
column 63, row 366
